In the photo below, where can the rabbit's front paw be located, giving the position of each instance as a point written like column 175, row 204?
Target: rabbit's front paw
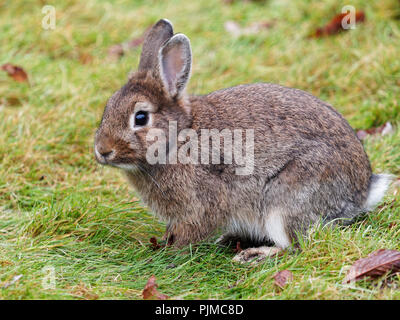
column 256, row 255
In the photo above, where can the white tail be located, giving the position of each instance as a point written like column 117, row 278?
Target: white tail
column 377, row 189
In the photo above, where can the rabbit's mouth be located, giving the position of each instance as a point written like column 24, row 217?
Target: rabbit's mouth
column 110, row 159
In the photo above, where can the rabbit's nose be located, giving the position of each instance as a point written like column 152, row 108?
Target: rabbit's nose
column 103, row 151
column 106, row 153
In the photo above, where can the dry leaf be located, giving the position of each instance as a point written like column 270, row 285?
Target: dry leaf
column 150, row 291
column 282, row 278
column 384, row 130
column 374, row 265
column 15, row 72
column 335, row 25
column 154, row 243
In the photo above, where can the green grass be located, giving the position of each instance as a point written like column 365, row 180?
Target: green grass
column 59, row 209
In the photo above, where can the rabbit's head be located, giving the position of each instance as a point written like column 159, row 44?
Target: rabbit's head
column 153, row 96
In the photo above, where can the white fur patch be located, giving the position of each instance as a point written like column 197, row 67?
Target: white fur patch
column 259, row 229
column 247, row 226
column 377, row 190
column 275, row 229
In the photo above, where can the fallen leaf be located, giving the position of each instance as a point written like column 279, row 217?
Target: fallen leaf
column 15, row 72
column 150, row 291
column 384, row 130
column 335, row 25
column 11, row 282
column 154, row 243
column 282, row 278
column 374, row 265
column 236, row 30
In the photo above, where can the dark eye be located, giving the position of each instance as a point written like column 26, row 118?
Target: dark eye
column 141, row 118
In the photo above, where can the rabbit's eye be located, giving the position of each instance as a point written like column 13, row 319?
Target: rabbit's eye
column 141, row 118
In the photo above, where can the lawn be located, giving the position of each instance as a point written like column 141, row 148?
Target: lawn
column 62, row 214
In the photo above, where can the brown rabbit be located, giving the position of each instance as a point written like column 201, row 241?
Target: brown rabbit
column 307, row 164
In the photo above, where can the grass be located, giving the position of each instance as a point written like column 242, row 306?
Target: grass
column 59, row 209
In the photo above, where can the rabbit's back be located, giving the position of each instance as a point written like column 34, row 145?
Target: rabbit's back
column 286, row 122
column 307, row 157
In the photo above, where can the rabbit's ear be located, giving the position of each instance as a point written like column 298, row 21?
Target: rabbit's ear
column 154, row 39
column 175, row 63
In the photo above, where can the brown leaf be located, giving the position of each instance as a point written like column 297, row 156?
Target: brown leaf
column 282, row 278
column 150, row 291
column 384, row 130
column 154, row 244
column 15, row 72
column 335, row 25
column 374, row 265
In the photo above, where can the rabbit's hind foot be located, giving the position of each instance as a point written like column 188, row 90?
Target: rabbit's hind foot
column 256, row 255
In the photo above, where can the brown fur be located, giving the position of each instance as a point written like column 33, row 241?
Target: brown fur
column 309, row 164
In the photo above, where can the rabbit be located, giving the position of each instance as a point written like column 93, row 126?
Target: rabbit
column 308, row 164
